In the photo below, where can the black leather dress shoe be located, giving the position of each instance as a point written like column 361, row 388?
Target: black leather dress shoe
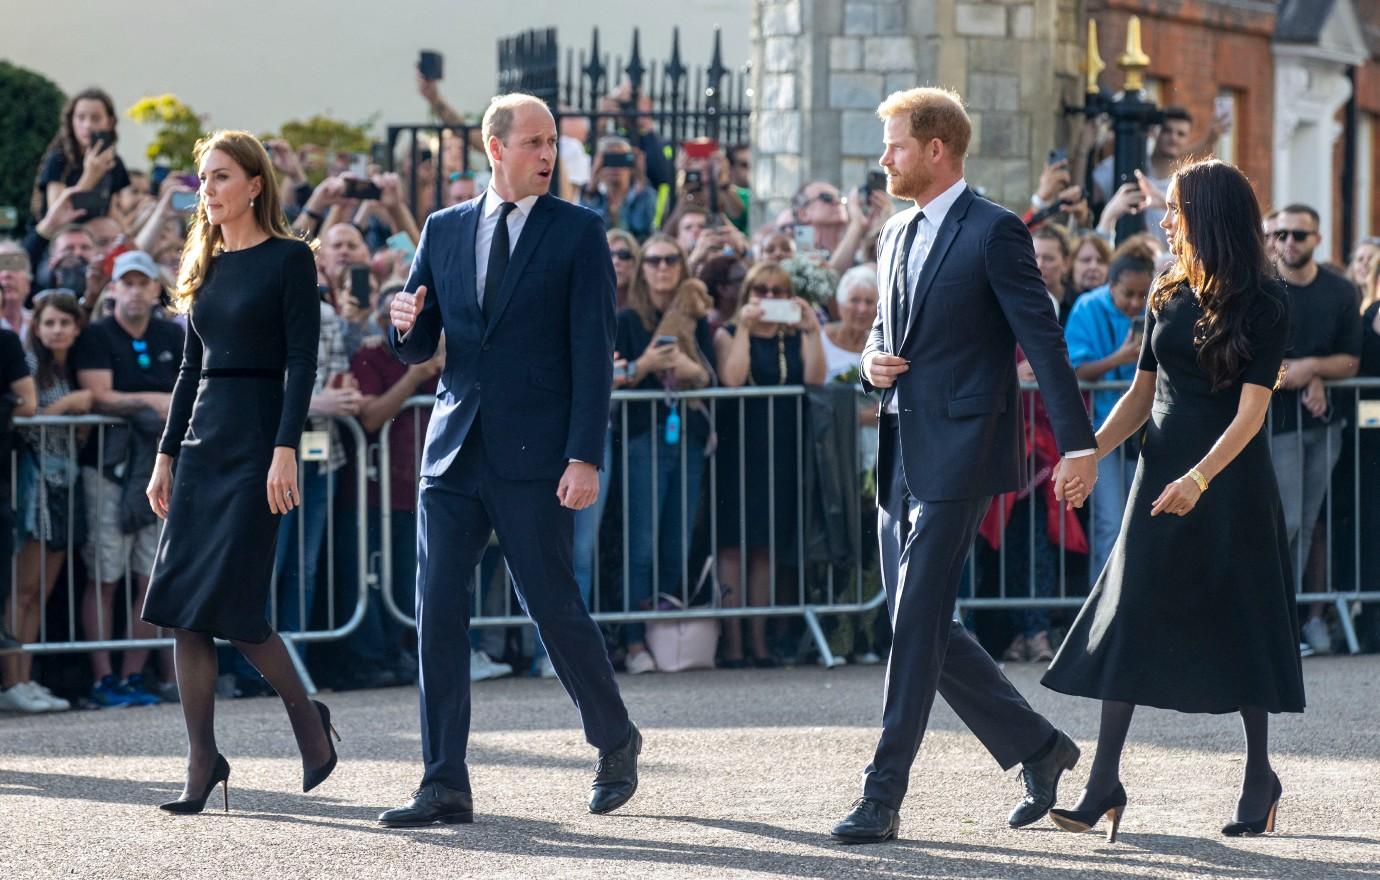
column 615, row 777
column 868, row 822
column 1041, row 780
column 430, row 804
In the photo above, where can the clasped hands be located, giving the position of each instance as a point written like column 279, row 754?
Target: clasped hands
column 1074, row 478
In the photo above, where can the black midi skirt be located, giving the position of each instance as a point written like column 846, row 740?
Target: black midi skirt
column 1193, row 613
column 215, row 553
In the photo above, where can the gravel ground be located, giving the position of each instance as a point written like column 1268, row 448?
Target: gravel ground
column 743, row 773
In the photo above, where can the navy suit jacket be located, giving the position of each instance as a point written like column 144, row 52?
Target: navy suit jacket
column 541, row 371
column 979, row 293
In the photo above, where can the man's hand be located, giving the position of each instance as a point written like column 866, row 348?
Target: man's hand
column 1074, row 479
column 404, row 309
column 1053, row 179
column 1315, row 397
column 881, row 369
column 336, row 402
column 579, row 486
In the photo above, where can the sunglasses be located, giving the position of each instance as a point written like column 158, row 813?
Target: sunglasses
column 141, row 350
column 667, row 260
column 55, row 293
column 625, row 255
column 771, row 290
column 1298, row 235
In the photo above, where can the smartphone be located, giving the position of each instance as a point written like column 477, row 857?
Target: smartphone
column 429, row 64
column 804, row 238
column 191, row 181
column 360, row 189
column 1222, row 107
column 14, row 263
column 93, row 203
column 184, row 202
column 663, row 340
column 622, row 160
column 700, row 148
column 876, row 182
column 102, row 139
column 359, row 285
column 694, row 180
column 1138, row 327
column 1057, row 155
column 780, row 311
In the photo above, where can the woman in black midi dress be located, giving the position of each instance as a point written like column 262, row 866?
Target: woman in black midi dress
column 235, row 420
column 1195, row 608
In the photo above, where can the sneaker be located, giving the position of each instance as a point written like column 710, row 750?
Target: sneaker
column 167, row 692
column 839, row 660
column 107, row 694
column 1317, row 635
column 483, row 667
column 19, row 699
column 871, row 658
column 1017, row 651
column 55, row 703
column 1305, row 649
column 1038, row 648
column 545, row 668
column 640, row 663
column 141, row 691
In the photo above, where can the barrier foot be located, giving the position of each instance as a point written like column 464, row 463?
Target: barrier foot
column 1348, row 625
column 826, row 656
column 301, row 667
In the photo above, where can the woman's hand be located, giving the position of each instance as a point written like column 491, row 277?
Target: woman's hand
column 159, row 492
column 75, row 403
column 656, row 359
column 749, row 316
column 1179, row 497
column 809, row 318
column 99, row 160
column 282, row 480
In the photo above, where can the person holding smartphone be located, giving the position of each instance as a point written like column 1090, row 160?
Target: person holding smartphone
column 773, row 339
column 665, row 453
column 616, row 190
column 82, row 155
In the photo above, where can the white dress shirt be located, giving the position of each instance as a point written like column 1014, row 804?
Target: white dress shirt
column 484, row 234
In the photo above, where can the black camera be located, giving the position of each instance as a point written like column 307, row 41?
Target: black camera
column 70, row 273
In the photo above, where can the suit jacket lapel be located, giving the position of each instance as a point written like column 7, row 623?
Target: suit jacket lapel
column 469, row 227
column 953, row 221
column 526, row 246
column 889, row 255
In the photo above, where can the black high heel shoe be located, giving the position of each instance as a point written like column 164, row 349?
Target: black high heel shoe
column 1259, row 826
column 317, row 775
column 1113, row 806
column 220, row 775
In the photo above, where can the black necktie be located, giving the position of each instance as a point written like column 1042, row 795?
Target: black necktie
column 900, row 294
column 498, row 261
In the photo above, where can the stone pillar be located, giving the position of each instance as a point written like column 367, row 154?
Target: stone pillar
column 822, row 66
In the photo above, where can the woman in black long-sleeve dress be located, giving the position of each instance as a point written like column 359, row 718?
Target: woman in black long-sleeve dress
column 236, row 417
column 1195, row 608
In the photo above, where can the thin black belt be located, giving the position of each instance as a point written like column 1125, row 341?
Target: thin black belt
column 241, row 373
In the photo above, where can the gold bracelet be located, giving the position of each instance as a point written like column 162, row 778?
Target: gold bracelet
column 1197, row 476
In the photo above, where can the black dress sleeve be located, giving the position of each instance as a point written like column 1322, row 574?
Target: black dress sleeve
column 1148, row 362
column 1269, row 330
column 183, row 394
column 302, row 333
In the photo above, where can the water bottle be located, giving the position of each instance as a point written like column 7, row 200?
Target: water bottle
column 673, row 427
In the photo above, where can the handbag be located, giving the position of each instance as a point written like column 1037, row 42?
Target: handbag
column 684, row 643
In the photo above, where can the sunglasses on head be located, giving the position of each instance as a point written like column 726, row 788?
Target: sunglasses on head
column 624, row 254
column 771, row 290
column 1299, row 235
column 659, row 260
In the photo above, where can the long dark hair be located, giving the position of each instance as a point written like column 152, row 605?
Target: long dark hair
column 65, row 141
column 47, row 371
column 1221, row 258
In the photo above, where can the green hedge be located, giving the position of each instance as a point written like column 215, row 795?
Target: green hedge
column 30, row 109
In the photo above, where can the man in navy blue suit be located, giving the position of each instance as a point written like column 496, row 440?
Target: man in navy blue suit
column 522, row 285
column 959, row 288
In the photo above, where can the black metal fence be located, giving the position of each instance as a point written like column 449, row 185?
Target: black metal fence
column 677, row 101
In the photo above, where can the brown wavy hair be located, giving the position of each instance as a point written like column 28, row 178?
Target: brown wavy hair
column 639, row 294
column 204, row 239
column 1221, row 259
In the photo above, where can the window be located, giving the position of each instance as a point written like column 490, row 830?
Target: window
column 1224, row 107
column 1365, row 175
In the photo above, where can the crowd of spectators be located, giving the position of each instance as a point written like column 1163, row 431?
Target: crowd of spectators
column 695, row 492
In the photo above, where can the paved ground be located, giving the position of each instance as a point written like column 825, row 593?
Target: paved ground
column 742, row 775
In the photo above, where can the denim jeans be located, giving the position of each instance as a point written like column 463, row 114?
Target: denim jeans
column 656, row 565
column 587, row 536
column 297, row 570
column 1115, row 474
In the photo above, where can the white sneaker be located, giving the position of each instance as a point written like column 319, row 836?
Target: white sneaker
column 18, row 699
column 1305, row 649
column 482, row 667
column 545, row 668
column 869, row 659
column 55, row 703
column 1317, row 635
column 640, row 663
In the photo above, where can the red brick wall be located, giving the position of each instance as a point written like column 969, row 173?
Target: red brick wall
column 1197, row 48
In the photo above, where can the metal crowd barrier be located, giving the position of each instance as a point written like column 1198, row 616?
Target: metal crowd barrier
column 72, row 638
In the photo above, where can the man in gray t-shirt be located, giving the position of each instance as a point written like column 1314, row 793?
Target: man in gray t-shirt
column 1170, row 145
